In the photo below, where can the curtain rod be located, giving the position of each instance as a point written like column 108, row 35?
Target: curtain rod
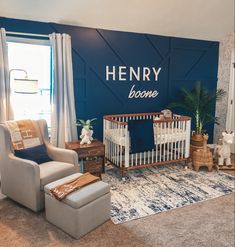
column 28, row 34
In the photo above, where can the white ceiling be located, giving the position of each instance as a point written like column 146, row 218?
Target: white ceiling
column 199, row 19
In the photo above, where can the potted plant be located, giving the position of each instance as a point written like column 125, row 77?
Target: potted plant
column 200, row 103
column 87, row 130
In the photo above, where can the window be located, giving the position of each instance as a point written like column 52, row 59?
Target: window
column 35, row 58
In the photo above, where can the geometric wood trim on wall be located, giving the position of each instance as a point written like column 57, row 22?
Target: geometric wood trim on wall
column 182, row 61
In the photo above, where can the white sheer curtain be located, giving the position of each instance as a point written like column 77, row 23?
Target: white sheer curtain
column 63, row 116
column 6, row 111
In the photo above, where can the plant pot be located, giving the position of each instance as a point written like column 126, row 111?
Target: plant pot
column 197, row 140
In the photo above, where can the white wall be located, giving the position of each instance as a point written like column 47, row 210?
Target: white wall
column 225, row 50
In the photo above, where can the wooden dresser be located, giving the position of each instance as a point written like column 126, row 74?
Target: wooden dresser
column 91, row 156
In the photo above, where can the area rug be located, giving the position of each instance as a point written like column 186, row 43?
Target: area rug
column 153, row 190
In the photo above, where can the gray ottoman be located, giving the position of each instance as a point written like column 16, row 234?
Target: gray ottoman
column 81, row 211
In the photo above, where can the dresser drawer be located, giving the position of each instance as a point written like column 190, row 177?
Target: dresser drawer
column 93, row 166
column 89, row 152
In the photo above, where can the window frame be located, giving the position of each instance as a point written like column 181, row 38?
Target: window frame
column 33, row 41
column 36, row 41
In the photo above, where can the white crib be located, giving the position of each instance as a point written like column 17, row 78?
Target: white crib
column 171, row 137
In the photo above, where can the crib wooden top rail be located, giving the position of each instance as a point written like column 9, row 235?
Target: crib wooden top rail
column 113, row 118
column 181, row 118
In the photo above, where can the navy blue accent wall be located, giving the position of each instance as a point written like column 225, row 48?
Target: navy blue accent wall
column 182, row 62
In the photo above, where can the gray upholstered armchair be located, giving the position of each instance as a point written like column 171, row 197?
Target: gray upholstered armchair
column 23, row 180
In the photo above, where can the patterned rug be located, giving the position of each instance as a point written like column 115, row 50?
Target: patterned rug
column 149, row 191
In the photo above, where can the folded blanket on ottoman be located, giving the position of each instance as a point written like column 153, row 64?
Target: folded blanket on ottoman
column 62, row 190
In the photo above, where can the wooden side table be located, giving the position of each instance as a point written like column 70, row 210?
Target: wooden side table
column 91, row 156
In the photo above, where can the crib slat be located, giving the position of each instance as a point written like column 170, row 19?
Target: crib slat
column 160, row 157
column 172, row 151
column 118, row 136
column 172, row 148
column 114, row 145
column 114, row 153
column 126, row 146
column 117, row 156
column 156, row 142
column 108, row 148
column 188, row 127
column 152, row 156
column 111, row 151
column 164, row 140
column 161, row 134
column 156, row 159
column 181, row 135
column 167, row 145
column 184, row 139
column 120, row 155
column 175, row 140
column 178, row 133
column 181, row 138
column 115, row 137
column 178, row 141
column 104, row 131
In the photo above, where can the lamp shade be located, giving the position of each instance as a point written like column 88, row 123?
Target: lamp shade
column 26, row 86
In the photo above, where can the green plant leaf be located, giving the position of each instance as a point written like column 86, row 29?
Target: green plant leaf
column 81, row 121
column 93, row 119
column 200, row 103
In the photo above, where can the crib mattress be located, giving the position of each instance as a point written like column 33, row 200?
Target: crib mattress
column 161, row 136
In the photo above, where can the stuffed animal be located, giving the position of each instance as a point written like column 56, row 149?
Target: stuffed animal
column 166, row 114
column 86, row 136
column 223, row 150
column 87, row 132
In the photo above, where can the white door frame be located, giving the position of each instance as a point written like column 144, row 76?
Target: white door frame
column 230, row 109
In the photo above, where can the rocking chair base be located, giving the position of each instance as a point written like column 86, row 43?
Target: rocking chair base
column 228, row 168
